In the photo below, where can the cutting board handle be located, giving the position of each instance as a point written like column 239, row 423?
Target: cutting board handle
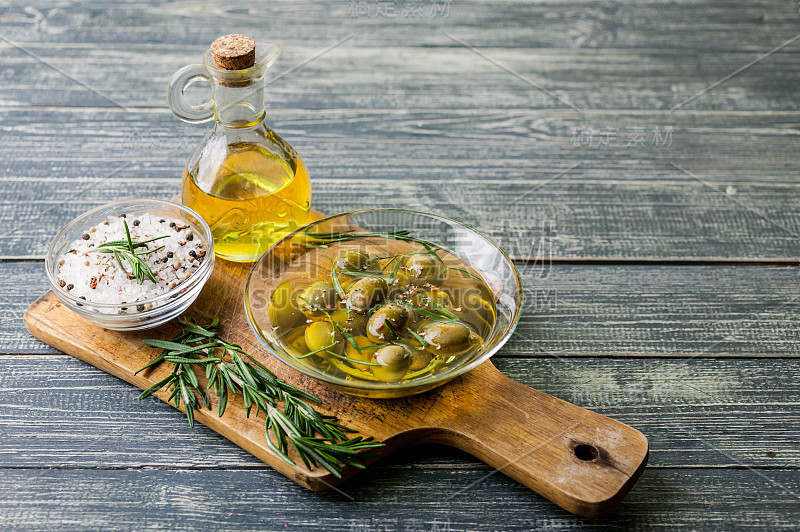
column 583, row 461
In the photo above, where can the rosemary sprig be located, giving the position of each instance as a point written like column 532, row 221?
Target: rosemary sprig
column 324, row 239
column 317, row 438
column 352, row 341
column 126, row 250
column 429, row 314
column 337, row 284
column 359, row 273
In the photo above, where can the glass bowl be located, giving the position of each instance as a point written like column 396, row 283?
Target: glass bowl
column 476, row 250
column 160, row 309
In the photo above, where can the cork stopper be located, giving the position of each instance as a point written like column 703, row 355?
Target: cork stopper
column 234, row 52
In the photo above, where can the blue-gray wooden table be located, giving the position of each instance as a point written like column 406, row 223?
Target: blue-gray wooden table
column 638, row 160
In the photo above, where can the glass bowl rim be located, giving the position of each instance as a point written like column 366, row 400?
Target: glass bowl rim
column 201, row 273
column 377, row 385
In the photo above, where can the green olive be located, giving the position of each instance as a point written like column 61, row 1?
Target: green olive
column 316, row 297
column 402, row 282
column 295, row 341
column 424, row 268
column 321, row 335
column 282, row 311
column 431, row 299
column 393, row 313
column 447, row 338
column 355, row 324
column 366, row 293
column 366, row 355
column 353, row 259
column 419, row 360
column 419, row 327
column 394, row 363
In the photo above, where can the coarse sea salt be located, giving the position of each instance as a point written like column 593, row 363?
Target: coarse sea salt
column 97, row 277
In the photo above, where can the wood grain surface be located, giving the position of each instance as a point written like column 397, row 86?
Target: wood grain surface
column 673, row 308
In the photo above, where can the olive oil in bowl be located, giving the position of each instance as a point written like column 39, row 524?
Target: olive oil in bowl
column 383, row 303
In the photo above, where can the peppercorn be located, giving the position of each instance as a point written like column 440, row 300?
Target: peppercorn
column 140, row 308
column 190, row 237
column 172, row 224
column 170, row 254
column 135, row 223
column 61, row 283
column 193, row 253
column 85, row 236
column 123, row 215
column 70, row 286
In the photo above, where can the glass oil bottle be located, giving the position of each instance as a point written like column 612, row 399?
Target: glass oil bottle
column 246, row 181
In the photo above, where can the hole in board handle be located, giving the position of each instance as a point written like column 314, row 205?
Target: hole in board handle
column 585, row 452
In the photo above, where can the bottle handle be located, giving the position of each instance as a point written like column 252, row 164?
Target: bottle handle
column 180, row 81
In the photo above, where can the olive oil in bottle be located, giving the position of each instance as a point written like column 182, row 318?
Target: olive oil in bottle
column 251, row 199
column 246, row 181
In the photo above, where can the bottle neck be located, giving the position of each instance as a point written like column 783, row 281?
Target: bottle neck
column 239, row 104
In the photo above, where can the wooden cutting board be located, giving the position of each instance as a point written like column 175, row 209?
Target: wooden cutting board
column 580, row 460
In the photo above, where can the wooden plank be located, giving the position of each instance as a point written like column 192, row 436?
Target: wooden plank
column 586, row 311
column 385, row 498
column 379, row 77
column 436, row 145
column 599, row 220
column 585, row 24
column 59, row 412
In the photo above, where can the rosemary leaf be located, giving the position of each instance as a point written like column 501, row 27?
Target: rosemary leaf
column 336, row 284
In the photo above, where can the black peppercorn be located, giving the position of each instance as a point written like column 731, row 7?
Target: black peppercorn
column 70, row 286
column 170, row 254
column 172, row 224
column 190, row 237
column 85, row 236
column 135, row 223
column 140, row 307
column 193, row 253
column 123, row 215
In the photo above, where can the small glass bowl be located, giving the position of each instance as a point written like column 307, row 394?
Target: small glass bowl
column 165, row 306
column 472, row 247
